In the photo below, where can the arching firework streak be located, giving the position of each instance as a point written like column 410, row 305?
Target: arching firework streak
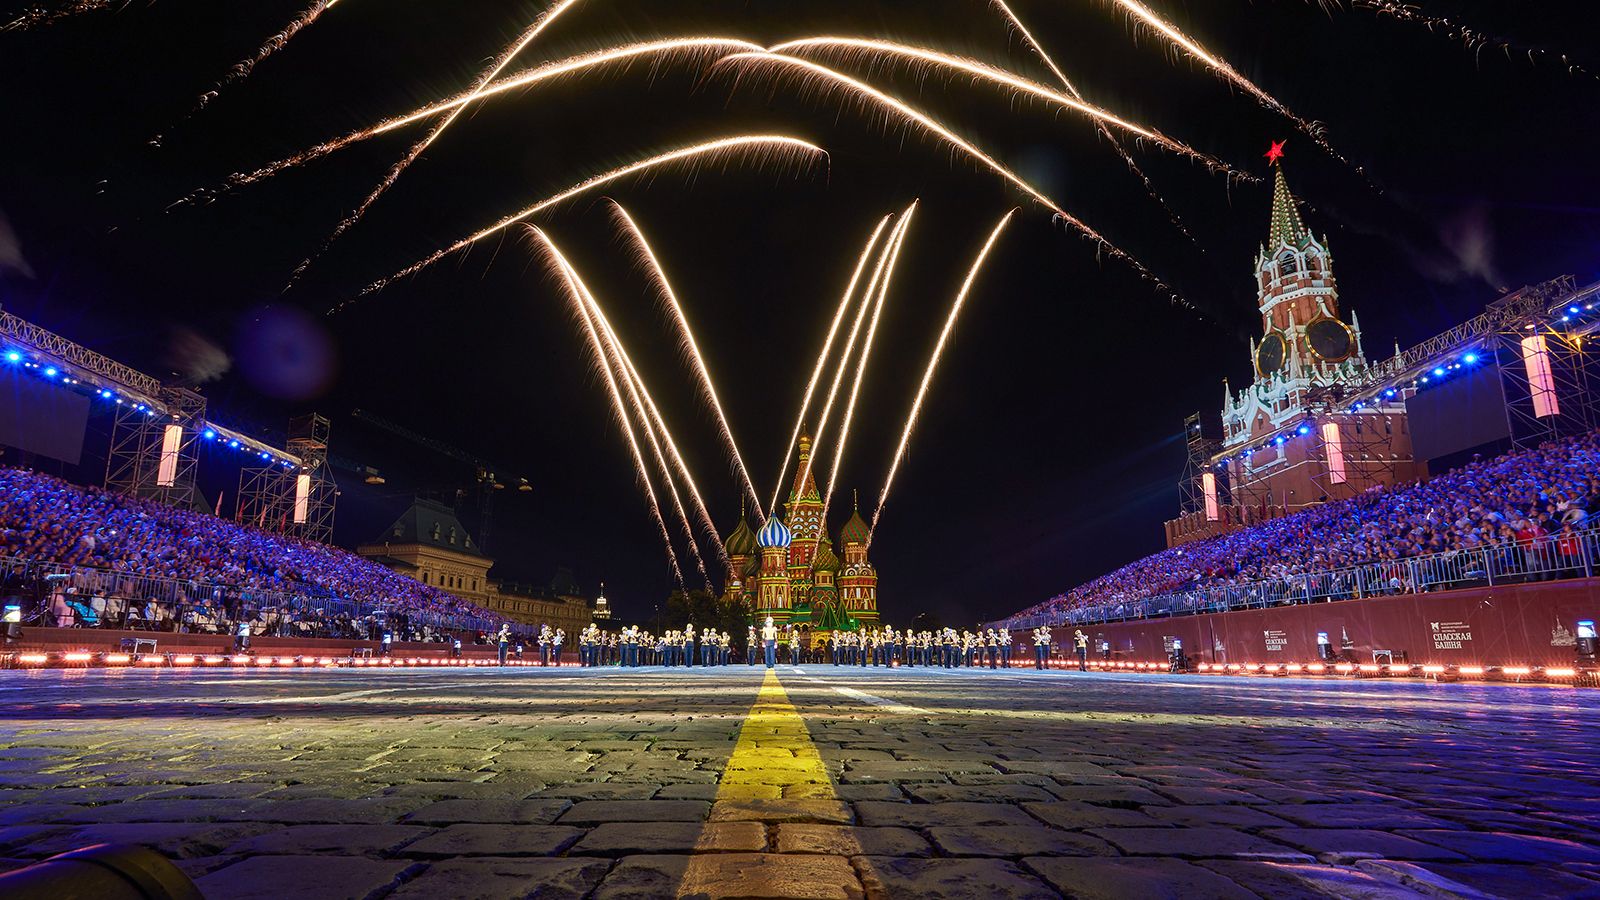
column 577, row 293
column 852, row 47
column 674, row 50
column 933, row 365
column 820, row 73
column 648, row 258
column 822, row 358
column 846, row 354
column 631, row 381
column 527, row 38
column 649, row 414
column 773, row 145
column 1105, row 132
column 242, row 69
column 861, row 362
column 1145, row 15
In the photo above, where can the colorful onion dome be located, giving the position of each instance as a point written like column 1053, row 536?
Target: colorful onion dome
column 742, row 542
column 855, row 531
column 774, row 534
column 825, row 560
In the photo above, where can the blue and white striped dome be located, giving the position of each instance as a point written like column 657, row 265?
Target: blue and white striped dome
column 774, row 534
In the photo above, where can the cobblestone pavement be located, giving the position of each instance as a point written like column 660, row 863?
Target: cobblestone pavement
column 822, row 783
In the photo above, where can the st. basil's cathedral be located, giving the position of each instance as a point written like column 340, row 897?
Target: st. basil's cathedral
column 790, row 571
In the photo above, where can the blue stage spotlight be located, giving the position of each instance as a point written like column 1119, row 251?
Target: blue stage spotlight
column 1305, row 429
column 13, row 356
column 1470, row 358
column 210, row 434
column 1438, row 373
column 50, row 372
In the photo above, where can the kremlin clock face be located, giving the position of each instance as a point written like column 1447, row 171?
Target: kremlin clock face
column 1330, row 340
column 1269, row 356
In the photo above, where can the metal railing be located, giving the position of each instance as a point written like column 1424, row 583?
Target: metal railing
column 94, row 597
column 1540, row 559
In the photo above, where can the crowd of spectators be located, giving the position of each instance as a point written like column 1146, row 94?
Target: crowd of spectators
column 1490, row 513
column 143, row 563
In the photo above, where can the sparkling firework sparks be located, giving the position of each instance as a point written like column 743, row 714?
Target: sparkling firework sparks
column 767, row 147
column 577, row 292
column 896, row 243
column 822, row 358
column 623, row 366
column 823, row 75
column 933, row 364
column 673, row 50
column 647, row 257
column 861, row 47
column 1470, row 38
column 42, row 16
column 640, row 392
column 1155, row 23
column 1105, row 131
column 849, row 349
column 393, row 175
column 242, row 69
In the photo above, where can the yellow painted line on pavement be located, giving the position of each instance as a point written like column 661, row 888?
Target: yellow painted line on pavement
column 774, row 774
column 774, row 752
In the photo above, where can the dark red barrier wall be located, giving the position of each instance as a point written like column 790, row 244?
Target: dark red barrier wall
column 1528, row 624
column 106, row 639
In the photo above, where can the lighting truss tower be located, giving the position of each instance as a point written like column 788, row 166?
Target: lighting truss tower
column 294, row 500
column 1203, row 446
column 315, row 493
column 153, row 450
column 1549, row 369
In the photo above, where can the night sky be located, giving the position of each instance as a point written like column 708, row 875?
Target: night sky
column 1050, row 446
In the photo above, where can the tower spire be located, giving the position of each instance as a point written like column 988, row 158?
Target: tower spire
column 1286, row 224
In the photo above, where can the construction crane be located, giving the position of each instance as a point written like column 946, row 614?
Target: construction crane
column 484, row 472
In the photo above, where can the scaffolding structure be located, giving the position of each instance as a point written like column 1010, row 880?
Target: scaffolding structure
column 298, row 500
column 1355, row 442
column 1548, row 370
column 1202, row 444
column 154, row 447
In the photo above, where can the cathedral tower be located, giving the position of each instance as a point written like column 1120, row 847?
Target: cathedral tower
column 772, row 578
column 804, row 518
column 743, row 556
column 858, row 580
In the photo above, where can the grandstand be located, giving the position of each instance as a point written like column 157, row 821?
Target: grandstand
column 1526, row 515
column 115, row 561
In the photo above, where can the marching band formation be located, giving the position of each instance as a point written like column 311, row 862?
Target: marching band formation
column 635, row 647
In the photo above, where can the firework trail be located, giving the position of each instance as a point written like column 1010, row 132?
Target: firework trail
column 822, row 75
column 1105, row 131
column 861, row 47
column 576, row 292
column 647, row 257
column 1470, row 38
column 243, row 68
column 827, row 348
column 1141, row 13
column 674, row 50
column 640, row 391
column 849, row 349
column 40, row 16
column 933, row 364
column 528, row 37
column 634, row 384
column 893, row 253
column 775, row 146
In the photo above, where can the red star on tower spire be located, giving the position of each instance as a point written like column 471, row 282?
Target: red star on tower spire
column 1275, row 152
